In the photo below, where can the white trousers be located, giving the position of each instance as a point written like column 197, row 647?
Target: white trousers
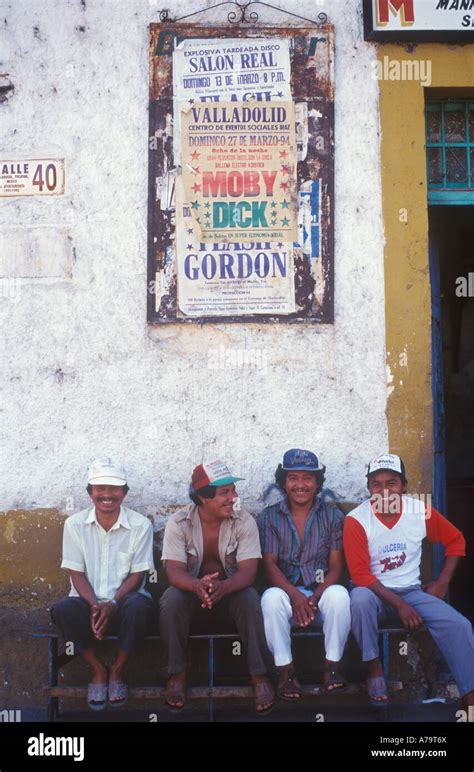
column 334, row 615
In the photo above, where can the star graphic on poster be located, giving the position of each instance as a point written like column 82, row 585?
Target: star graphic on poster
column 273, row 204
column 195, row 155
column 191, row 101
column 195, row 204
column 279, row 94
column 285, row 204
column 196, row 187
column 284, row 185
column 285, row 169
column 285, row 222
column 280, row 244
column 190, row 230
column 283, row 153
column 190, row 246
column 274, row 222
column 207, row 205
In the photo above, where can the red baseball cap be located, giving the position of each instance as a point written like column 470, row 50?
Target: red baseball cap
column 214, row 473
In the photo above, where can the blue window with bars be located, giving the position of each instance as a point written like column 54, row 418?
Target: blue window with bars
column 450, row 151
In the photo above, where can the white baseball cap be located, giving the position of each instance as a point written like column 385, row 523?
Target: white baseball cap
column 106, row 471
column 388, row 462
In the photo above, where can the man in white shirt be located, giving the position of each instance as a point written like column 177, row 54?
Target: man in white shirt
column 108, row 550
column 383, row 542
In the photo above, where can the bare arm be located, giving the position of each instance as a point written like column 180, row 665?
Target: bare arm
column 130, row 584
column 300, row 603
column 276, row 577
column 408, row 615
column 101, row 612
column 179, row 577
column 243, row 578
column 440, row 586
column 83, row 587
column 332, row 576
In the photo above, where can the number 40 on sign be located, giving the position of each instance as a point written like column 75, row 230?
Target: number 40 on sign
column 32, row 177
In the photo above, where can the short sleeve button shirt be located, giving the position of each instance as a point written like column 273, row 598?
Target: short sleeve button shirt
column 323, row 533
column 183, row 540
column 107, row 557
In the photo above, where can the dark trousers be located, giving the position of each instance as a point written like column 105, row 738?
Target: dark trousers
column 179, row 610
column 129, row 621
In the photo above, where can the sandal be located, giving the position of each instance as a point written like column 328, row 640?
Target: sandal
column 174, row 692
column 290, row 689
column 118, row 690
column 333, row 678
column 97, row 696
column 264, row 694
column 377, row 687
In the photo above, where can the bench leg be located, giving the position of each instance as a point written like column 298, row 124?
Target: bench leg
column 53, row 702
column 210, row 702
column 385, row 650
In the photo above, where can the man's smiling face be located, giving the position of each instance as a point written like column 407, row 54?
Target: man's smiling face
column 386, row 491
column 107, row 498
column 301, row 487
column 222, row 505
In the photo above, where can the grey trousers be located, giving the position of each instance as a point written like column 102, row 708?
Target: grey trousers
column 450, row 630
column 129, row 621
column 179, row 610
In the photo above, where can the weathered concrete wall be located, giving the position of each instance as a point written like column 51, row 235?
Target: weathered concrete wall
column 82, row 373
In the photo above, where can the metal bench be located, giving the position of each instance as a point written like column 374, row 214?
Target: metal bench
column 56, row 661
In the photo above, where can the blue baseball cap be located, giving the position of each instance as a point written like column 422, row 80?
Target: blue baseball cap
column 300, row 460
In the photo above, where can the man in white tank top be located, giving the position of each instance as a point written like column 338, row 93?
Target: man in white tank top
column 382, row 544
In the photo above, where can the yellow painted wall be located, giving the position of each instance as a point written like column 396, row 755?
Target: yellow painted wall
column 407, row 280
column 31, row 547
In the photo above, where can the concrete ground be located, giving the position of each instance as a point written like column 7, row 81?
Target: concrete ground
column 308, row 710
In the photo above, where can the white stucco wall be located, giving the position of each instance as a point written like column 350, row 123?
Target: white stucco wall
column 82, row 373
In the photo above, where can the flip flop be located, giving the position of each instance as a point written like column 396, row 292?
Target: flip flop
column 118, row 690
column 97, row 696
column 264, row 693
column 290, row 686
column 377, row 687
column 334, row 678
column 177, row 693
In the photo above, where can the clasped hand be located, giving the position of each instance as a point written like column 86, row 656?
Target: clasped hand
column 100, row 617
column 304, row 608
column 210, row 590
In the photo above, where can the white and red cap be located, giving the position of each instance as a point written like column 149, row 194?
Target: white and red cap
column 387, row 462
column 106, row 471
column 214, row 473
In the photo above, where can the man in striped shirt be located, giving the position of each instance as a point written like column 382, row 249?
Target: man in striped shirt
column 301, row 540
column 382, row 544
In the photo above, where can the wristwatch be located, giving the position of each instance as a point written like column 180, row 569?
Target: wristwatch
column 115, row 602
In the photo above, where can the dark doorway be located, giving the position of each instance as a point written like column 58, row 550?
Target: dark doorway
column 452, row 257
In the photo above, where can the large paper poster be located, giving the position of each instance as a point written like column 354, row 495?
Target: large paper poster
column 241, row 173
column 239, row 169
column 236, row 213
column 233, row 69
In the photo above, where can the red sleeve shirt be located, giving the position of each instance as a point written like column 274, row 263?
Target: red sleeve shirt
column 438, row 531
